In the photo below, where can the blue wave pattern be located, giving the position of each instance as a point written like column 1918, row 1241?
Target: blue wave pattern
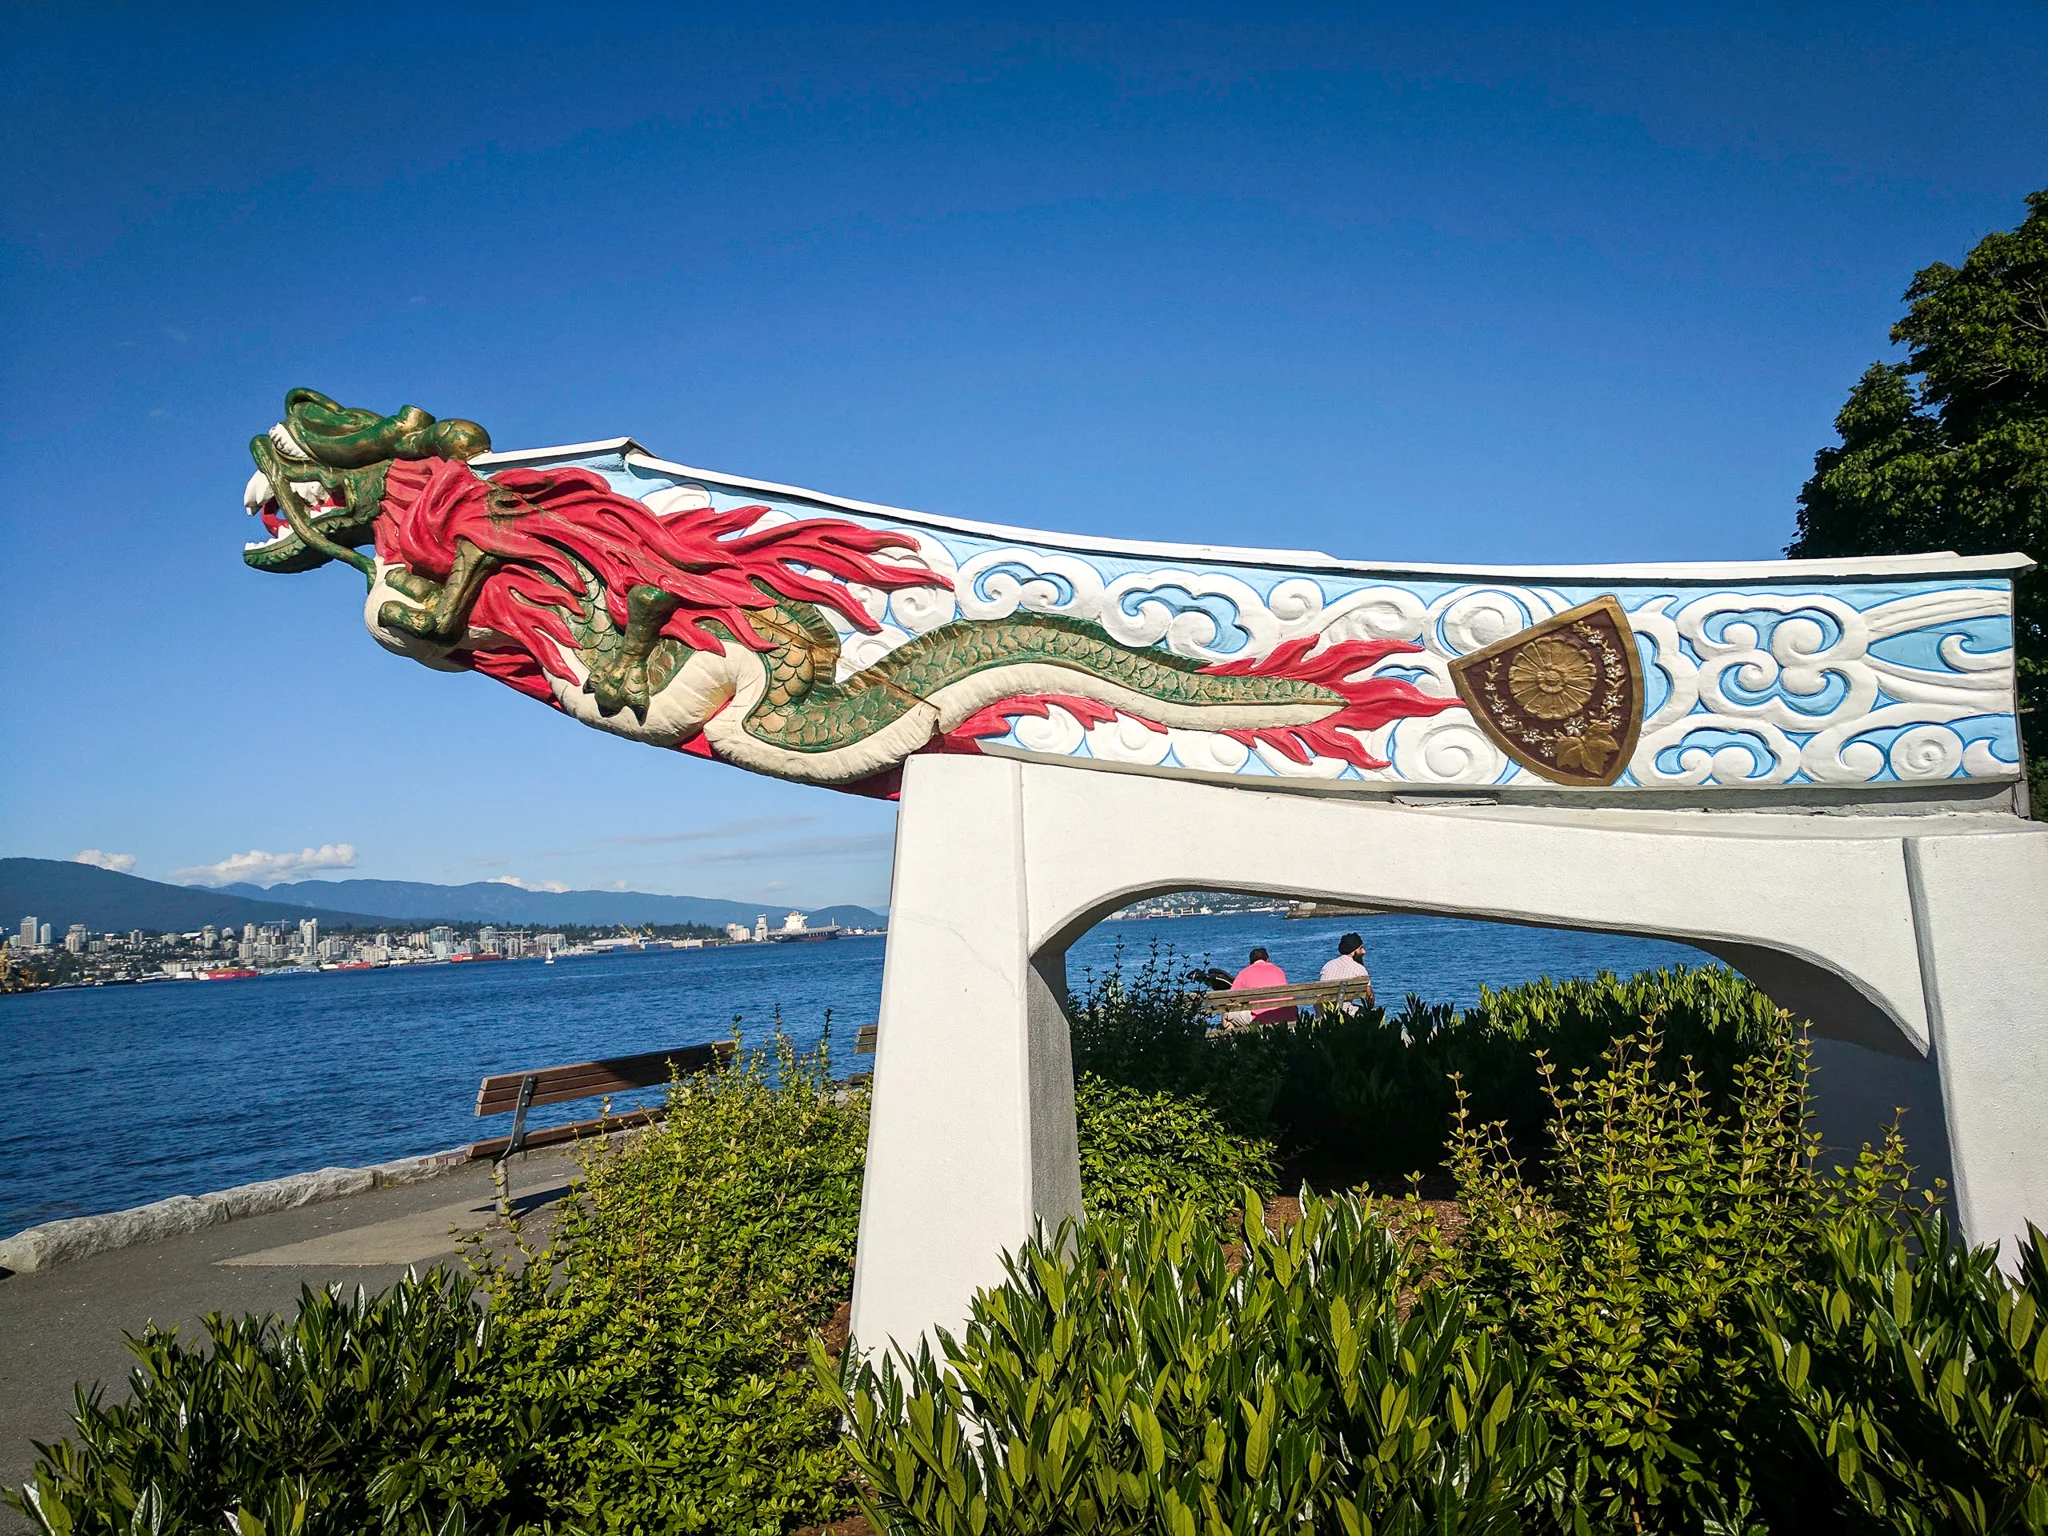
column 1774, row 683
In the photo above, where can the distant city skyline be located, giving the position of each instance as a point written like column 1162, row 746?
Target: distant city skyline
column 331, row 862
column 1491, row 286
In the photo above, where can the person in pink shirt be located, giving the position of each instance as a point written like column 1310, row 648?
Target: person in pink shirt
column 1262, row 972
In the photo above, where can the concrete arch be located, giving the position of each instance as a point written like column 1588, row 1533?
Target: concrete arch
column 1922, row 937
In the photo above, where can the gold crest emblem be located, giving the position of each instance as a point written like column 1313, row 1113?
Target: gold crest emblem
column 1564, row 698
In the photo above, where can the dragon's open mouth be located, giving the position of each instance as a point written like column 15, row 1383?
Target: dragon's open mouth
column 323, row 508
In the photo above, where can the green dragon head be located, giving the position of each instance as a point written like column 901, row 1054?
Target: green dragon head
column 319, row 480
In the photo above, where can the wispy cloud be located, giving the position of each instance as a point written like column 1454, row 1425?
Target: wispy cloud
column 536, row 885
column 863, row 845
column 119, row 863
column 260, row 868
column 743, row 828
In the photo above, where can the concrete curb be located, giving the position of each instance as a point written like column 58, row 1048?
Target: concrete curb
column 78, row 1237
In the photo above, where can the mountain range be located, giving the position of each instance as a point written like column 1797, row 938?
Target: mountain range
column 488, row 901
column 61, row 893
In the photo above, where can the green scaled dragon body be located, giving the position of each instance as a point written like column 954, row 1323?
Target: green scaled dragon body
column 711, row 631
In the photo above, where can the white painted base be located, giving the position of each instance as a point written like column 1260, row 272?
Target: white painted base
column 1922, row 937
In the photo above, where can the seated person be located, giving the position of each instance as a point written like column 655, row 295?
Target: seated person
column 1262, row 972
column 1349, row 965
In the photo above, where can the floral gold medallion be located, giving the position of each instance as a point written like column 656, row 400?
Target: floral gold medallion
column 1564, row 698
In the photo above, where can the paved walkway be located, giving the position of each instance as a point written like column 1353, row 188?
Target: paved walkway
column 65, row 1325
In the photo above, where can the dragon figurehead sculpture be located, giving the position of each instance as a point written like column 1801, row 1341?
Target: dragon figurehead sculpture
column 728, row 628
column 824, row 640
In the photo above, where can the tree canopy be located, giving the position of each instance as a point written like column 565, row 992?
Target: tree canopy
column 1949, row 449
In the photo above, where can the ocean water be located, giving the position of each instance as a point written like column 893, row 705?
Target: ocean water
column 121, row 1095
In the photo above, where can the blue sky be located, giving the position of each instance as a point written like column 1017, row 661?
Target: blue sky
column 1405, row 283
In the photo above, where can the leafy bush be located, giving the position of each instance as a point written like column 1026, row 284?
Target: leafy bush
column 285, row 1422
column 1710, row 1021
column 1657, row 1317
column 643, row 1371
column 1126, row 1378
column 1919, row 1373
column 1627, row 1273
column 1139, row 1149
column 1672, row 1322
column 647, row 1371
column 1366, row 1095
column 1143, row 1028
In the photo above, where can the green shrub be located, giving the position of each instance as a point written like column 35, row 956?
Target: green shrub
column 1140, row 1149
column 1627, row 1273
column 1700, row 1333
column 1364, row 1095
column 1711, row 1021
column 287, row 1424
column 1919, row 1374
column 648, row 1375
column 1143, row 1028
column 1126, row 1379
column 644, row 1371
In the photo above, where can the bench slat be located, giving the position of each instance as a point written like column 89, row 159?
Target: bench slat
column 1258, row 998
column 576, row 1130
column 583, row 1082
column 587, row 1079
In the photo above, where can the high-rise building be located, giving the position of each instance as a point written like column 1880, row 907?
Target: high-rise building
column 28, row 930
column 74, row 939
column 761, row 928
column 209, row 935
column 309, row 933
column 43, row 935
column 248, row 933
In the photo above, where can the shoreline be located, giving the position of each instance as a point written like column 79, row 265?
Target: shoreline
column 266, row 973
column 35, row 1249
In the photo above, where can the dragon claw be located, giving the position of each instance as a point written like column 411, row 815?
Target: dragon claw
column 617, row 685
column 397, row 615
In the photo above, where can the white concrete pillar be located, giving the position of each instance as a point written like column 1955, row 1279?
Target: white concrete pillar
column 1980, row 908
column 972, row 1137
column 1920, row 937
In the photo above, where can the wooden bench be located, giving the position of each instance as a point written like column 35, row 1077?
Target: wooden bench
column 520, row 1091
column 1305, row 994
